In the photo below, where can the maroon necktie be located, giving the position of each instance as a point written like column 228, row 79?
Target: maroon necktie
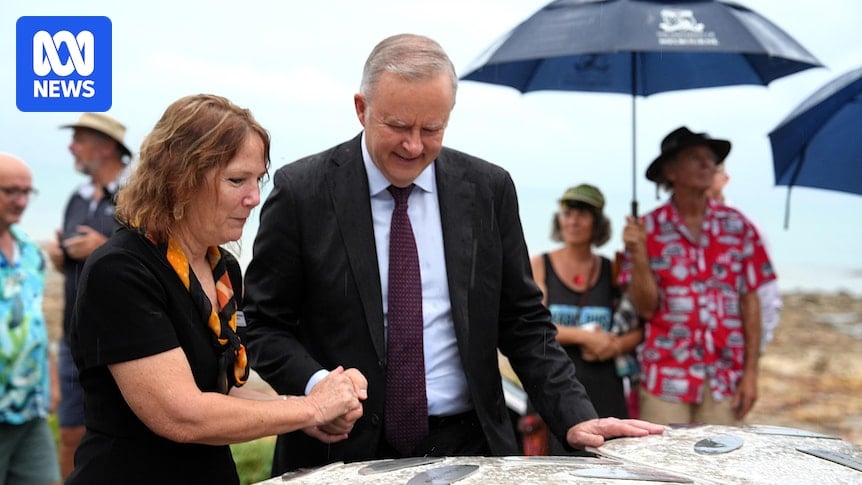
column 406, row 406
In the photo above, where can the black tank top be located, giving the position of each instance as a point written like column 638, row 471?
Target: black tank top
column 600, row 379
column 564, row 302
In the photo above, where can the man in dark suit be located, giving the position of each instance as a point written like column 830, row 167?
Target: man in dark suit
column 318, row 290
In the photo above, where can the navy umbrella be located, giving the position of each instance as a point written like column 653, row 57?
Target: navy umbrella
column 819, row 144
column 641, row 48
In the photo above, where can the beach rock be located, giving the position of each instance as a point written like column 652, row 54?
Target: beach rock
column 810, row 374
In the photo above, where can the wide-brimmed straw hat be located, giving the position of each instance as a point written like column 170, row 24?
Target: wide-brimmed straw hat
column 106, row 125
column 681, row 138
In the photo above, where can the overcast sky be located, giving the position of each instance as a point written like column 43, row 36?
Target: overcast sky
column 296, row 65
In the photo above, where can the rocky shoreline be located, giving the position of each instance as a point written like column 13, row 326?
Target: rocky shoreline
column 811, row 373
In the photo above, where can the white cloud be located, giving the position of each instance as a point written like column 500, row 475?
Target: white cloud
column 306, row 85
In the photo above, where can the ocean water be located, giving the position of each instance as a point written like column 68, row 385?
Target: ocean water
column 806, row 259
column 820, row 279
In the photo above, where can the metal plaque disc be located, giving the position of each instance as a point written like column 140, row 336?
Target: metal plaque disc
column 715, row 445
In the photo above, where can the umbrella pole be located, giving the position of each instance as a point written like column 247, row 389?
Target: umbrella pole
column 796, row 170
column 634, row 161
column 634, row 139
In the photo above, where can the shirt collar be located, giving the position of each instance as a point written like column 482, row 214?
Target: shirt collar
column 677, row 220
column 377, row 182
column 121, row 180
column 87, row 189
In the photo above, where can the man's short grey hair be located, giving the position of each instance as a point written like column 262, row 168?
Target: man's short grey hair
column 413, row 57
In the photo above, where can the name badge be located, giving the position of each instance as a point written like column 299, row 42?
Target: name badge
column 240, row 318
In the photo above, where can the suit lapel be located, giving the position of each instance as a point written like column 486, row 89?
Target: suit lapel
column 456, row 196
column 348, row 189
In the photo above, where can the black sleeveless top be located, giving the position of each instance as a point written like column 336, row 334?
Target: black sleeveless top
column 600, row 379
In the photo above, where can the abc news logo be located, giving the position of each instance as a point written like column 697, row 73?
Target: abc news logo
column 46, row 58
column 64, row 64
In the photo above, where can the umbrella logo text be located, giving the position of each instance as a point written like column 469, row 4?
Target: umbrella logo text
column 679, row 20
column 680, row 27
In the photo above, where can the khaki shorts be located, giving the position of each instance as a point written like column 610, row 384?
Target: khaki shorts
column 659, row 411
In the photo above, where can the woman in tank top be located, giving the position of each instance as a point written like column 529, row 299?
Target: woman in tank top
column 579, row 290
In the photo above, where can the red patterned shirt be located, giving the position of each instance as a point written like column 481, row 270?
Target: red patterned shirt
column 696, row 336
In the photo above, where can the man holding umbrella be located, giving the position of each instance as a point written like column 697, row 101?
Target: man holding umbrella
column 692, row 269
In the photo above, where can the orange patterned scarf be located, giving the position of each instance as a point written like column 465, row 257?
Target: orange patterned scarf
column 221, row 322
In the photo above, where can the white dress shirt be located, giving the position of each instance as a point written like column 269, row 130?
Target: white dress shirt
column 446, row 384
column 445, row 381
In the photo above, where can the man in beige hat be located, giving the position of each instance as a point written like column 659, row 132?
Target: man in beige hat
column 692, row 269
column 99, row 151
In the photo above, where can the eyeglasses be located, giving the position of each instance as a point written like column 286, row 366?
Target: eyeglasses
column 15, row 192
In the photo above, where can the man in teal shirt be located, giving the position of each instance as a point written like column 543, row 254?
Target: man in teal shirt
column 27, row 451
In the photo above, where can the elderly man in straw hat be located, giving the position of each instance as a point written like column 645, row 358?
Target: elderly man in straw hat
column 100, row 152
column 692, row 269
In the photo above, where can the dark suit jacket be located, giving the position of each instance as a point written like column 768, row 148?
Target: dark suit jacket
column 313, row 297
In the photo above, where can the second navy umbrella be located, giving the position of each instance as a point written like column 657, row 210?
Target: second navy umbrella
column 819, row 144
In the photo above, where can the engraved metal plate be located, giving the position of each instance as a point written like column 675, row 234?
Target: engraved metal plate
column 398, row 464
column 631, row 473
column 835, row 456
column 563, row 460
column 783, row 431
column 443, row 475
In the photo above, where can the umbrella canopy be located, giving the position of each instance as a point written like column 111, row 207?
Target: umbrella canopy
column 641, row 48
column 818, row 145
